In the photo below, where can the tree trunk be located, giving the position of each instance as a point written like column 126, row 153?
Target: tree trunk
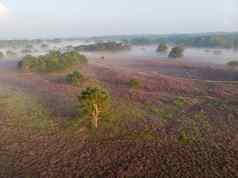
column 96, row 115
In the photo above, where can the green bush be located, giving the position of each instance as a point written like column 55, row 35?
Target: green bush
column 183, row 138
column 94, row 104
column 28, row 63
column 233, row 63
column 162, row 48
column 74, row 78
column 176, row 52
column 134, row 84
column 51, row 62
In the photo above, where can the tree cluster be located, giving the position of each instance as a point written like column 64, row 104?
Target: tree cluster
column 51, row 62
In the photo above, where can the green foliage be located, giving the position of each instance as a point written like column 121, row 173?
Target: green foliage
column 183, row 138
column 134, row 84
column 24, row 112
column 176, row 52
column 164, row 112
column 94, row 103
column 74, row 78
column 211, row 40
column 1, row 55
column 105, row 46
column 28, row 63
column 180, row 102
column 51, row 62
column 233, row 63
column 162, row 47
column 124, row 121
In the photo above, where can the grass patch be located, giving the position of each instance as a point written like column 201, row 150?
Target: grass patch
column 24, row 112
column 124, row 121
column 169, row 110
column 183, row 138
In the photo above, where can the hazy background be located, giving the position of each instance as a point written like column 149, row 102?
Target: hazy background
column 78, row 18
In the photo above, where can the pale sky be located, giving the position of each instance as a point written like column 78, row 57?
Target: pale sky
column 79, row 18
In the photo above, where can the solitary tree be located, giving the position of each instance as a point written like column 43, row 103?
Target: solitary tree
column 162, row 48
column 176, row 52
column 94, row 102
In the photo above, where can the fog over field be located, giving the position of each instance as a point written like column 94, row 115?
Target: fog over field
column 129, row 88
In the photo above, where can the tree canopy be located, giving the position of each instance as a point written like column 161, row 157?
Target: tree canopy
column 51, row 62
column 94, row 103
column 233, row 63
column 162, row 47
column 74, row 78
column 176, row 52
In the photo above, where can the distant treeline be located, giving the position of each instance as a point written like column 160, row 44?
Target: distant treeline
column 103, row 46
column 26, row 43
column 18, row 43
column 206, row 40
column 222, row 40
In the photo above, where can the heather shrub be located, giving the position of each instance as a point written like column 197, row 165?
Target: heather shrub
column 74, row 78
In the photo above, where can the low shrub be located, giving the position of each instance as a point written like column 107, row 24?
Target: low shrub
column 183, row 138
column 162, row 48
column 74, row 78
column 134, row 84
column 176, row 52
column 233, row 63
